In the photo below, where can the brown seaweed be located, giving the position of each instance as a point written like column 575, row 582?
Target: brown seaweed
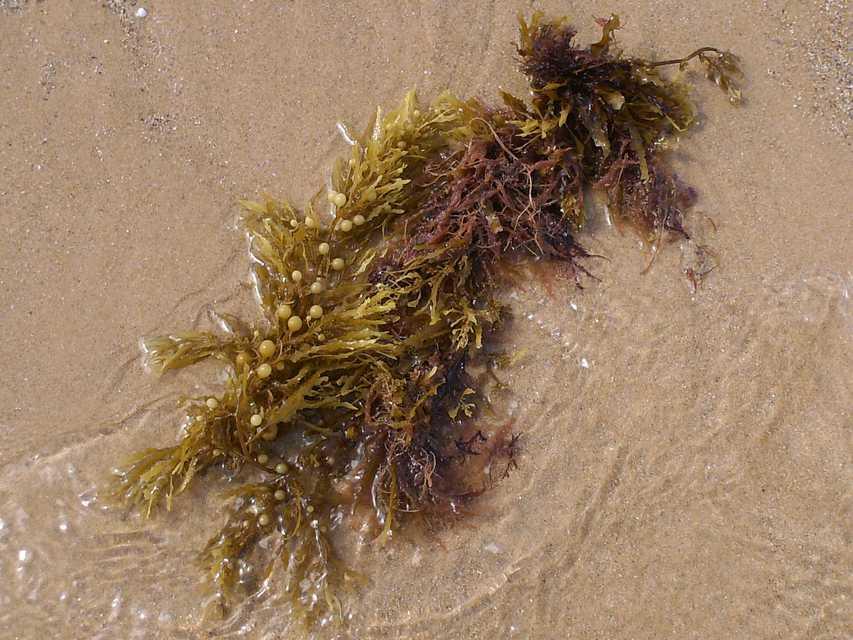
column 352, row 395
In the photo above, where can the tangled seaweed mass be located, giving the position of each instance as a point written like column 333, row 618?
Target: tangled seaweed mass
column 356, row 396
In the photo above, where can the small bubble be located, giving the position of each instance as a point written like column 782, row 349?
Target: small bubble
column 88, row 497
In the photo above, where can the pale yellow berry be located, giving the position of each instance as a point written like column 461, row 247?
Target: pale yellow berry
column 324, row 248
column 294, row 223
column 358, row 220
column 263, row 458
column 338, row 264
column 270, row 433
column 279, row 495
column 296, row 276
column 310, row 222
column 321, row 337
column 330, row 196
column 294, row 323
column 264, row 370
column 266, row 348
column 281, row 468
column 212, row 403
column 340, row 200
column 242, row 359
column 309, row 509
column 264, row 520
column 216, row 453
column 317, row 286
column 316, row 311
column 284, row 311
column 256, row 420
column 346, row 225
column 370, row 194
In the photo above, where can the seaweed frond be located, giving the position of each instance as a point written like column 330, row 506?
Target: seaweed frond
column 163, row 353
column 350, row 397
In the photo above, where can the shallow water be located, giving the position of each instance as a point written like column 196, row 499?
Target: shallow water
column 686, row 462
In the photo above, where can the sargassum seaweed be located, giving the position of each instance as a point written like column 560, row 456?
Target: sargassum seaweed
column 352, row 395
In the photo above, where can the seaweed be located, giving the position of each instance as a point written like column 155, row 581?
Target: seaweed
column 353, row 395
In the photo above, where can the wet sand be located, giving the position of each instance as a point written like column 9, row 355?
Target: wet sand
column 686, row 464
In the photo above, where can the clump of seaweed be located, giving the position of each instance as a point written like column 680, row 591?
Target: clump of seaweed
column 353, row 396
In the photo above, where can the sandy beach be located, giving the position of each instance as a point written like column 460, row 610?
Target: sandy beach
column 685, row 469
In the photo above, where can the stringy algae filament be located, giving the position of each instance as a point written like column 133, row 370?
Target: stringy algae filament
column 352, row 395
